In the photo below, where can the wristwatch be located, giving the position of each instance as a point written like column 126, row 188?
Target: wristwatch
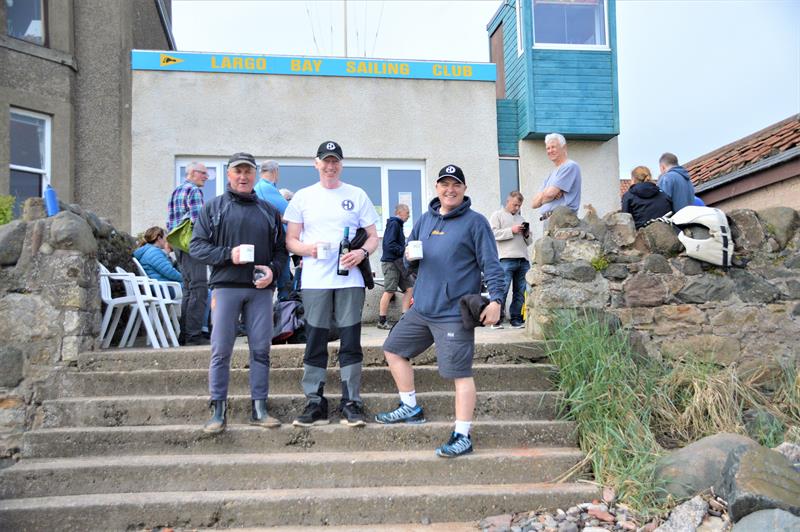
column 366, row 253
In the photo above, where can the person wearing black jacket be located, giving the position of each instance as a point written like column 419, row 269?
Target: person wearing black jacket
column 241, row 237
column 394, row 272
column 644, row 201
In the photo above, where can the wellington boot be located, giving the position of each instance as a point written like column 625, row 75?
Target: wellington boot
column 219, row 411
column 260, row 416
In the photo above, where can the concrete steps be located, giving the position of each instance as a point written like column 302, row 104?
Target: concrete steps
column 119, row 446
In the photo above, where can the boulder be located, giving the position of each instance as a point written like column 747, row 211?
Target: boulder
column 756, row 478
column 567, row 293
column 615, row 272
column 545, row 250
column 12, row 236
column 11, row 366
column 658, row 238
column 753, row 289
column 562, row 217
column 33, row 209
column 645, row 290
column 655, row 263
column 687, row 265
column 747, row 231
column 100, row 228
column 780, row 223
column 71, row 232
column 685, row 472
column 580, row 250
column 720, row 350
column 790, row 451
column 580, row 270
column 768, row 520
column 685, row 517
column 620, row 228
column 704, row 288
column 793, row 262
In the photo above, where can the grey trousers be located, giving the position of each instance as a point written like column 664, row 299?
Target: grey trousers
column 256, row 305
column 195, row 295
column 322, row 307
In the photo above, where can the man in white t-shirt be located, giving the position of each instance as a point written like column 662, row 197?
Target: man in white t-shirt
column 316, row 215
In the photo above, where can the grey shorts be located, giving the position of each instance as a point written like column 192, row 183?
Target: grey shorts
column 394, row 277
column 455, row 345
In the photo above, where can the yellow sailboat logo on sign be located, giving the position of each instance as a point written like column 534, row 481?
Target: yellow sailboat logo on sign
column 167, row 60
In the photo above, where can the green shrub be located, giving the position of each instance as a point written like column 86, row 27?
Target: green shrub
column 600, row 263
column 6, row 209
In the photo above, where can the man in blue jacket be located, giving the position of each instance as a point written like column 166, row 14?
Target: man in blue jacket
column 675, row 182
column 267, row 189
column 395, row 274
column 457, row 245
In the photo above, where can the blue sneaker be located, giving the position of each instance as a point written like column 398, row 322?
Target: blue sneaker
column 402, row 414
column 457, row 445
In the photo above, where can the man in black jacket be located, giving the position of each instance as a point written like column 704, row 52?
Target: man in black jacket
column 394, row 272
column 242, row 238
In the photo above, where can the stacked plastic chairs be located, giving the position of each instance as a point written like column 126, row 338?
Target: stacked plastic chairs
column 171, row 293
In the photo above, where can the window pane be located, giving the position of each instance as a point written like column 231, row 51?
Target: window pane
column 24, row 185
column 405, row 184
column 27, row 141
column 295, row 177
column 25, row 20
column 369, row 180
column 509, row 178
column 569, row 22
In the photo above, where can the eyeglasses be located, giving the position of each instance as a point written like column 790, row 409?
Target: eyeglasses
column 201, row 172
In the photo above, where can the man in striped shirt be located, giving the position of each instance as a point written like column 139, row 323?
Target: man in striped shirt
column 187, row 202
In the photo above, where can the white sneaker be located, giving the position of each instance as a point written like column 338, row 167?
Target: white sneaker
column 496, row 326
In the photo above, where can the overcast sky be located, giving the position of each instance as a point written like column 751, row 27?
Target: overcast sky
column 693, row 75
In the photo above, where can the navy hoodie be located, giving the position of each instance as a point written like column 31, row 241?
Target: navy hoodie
column 644, row 201
column 456, row 248
column 676, row 184
column 394, row 241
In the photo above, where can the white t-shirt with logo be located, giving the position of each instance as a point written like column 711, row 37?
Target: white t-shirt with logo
column 324, row 214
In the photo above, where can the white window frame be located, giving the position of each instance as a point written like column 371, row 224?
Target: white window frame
column 44, row 172
column 384, row 164
column 557, row 46
column 518, row 8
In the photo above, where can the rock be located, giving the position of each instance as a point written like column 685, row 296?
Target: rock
column 790, row 451
column 752, row 288
column 497, row 522
column 12, row 236
column 627, row 525
column 746, row 230
column 567, row 526
column 601, row 515
column 687, row 265
column 616, row 272
column 567, row 293
column 609, row 495
column 40, row 345
column 580, row 250
column 33, row 209
column 758, row 422
column 562, row 217
column 793, row 262
column 704, row 288
column 71, row 232
column 721, row 350
column 780, row 223
column 772, row 520
column 686, row 517
column 658, row 238
column 100, row 229
column 713, row 523
column 544, row 251
column 656, row 263
column 620, row 228
column 698, row 466
column 756, row 478
column 678, row 320
column 11, row 366
column 579, row 270
column 644, row 290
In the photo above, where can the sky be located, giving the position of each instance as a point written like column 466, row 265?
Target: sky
column 694, row 75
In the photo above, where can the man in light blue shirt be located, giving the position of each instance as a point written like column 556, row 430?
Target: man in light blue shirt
column 267, row 190
column 563, row 185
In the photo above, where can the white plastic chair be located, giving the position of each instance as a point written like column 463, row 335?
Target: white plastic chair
column 115, row 305
column 159, row 316
column 171, row 293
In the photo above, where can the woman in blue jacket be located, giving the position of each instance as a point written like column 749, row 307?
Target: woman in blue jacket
column 152, row 255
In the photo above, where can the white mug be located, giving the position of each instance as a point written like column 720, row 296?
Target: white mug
column 323, row 250
column 247, row 253
column 414, row 249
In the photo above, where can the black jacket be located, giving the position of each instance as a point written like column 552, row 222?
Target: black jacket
column 644, row 201
column 233, row 219
column 394, row 241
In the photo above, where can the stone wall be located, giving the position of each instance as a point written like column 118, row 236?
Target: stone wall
column 675, row 304
column 49, row 302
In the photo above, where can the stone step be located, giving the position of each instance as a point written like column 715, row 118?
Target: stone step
column 190, row 439
column 151, row 473
column 193, row 410
column 288, row 356
column 510, row 377
column 297, row 507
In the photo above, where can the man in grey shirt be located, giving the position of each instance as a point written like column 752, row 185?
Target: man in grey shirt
column 563, row 185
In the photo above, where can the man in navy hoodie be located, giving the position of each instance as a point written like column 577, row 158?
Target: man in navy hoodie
column 394, row 272
column 457, row 245
column 675, row 182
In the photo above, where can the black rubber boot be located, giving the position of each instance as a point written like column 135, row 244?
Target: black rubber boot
column 216, row 424
column 260, row 416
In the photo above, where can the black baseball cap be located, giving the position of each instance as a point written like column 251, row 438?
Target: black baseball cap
column 242, row 158
column 453, row 171
column 329, row 147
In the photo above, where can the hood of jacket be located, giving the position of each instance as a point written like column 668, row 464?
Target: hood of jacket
column 645, row 190
column 681, row 171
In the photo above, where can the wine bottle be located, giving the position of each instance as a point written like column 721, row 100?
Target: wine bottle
column 344, row 249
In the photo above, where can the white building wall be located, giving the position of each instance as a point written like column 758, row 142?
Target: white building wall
column 201, row 114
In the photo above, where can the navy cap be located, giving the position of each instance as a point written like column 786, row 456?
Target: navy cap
column 329, row 147
column 453, row 171
column 242, row 158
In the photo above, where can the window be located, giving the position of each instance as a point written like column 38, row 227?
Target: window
column 26, row 20
column 30, row 156
column 519, row 26
column 387, row 183
column 509, row 178
column 570, row 23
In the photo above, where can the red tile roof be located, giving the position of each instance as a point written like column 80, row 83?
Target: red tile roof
column 766, row 143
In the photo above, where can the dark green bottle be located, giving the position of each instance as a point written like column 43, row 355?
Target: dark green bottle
column 344, row 249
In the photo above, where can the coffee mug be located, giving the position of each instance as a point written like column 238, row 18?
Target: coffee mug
column 414, row 249
column 247, row 253
column 323, row 250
